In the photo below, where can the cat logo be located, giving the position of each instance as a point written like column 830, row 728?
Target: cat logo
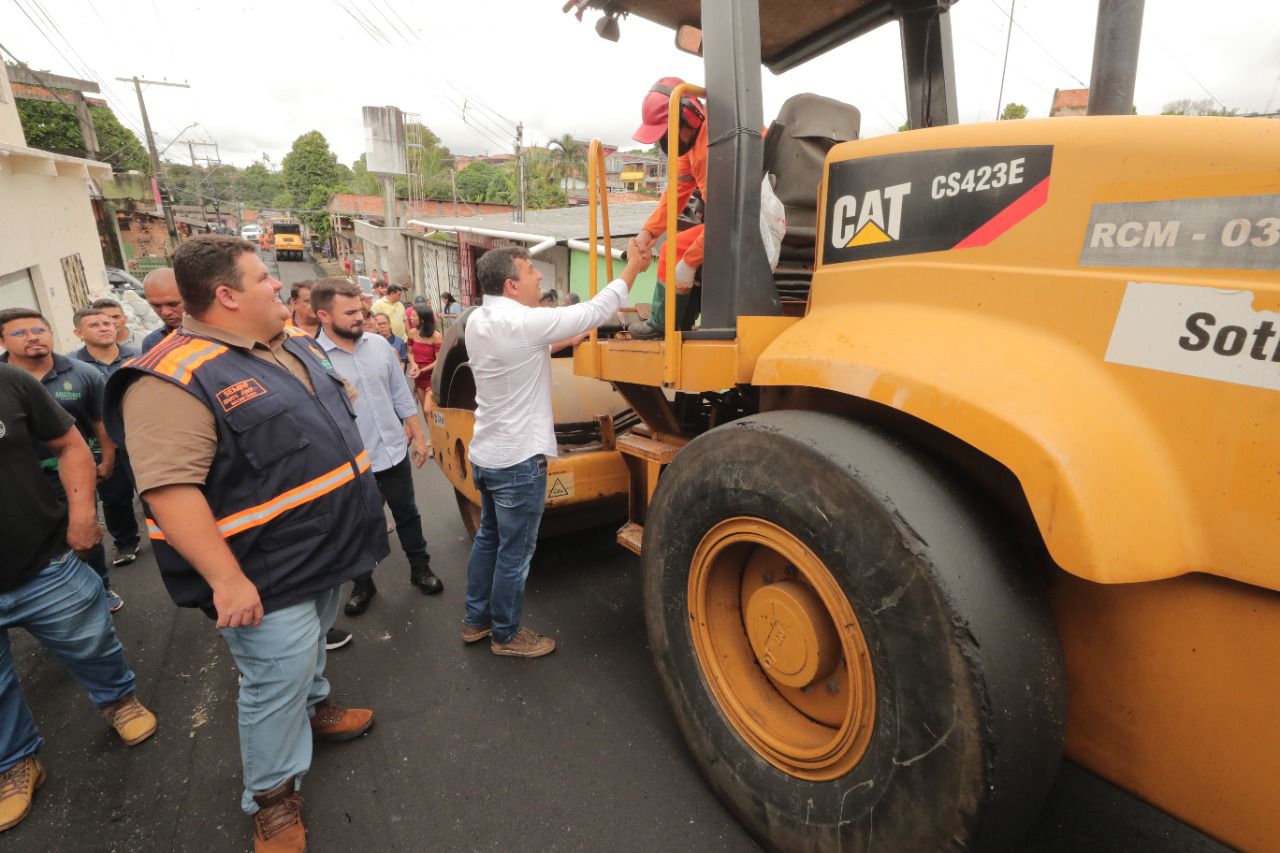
column 876, row 219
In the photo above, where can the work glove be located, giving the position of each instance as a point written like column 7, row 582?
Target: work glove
column 684, row 277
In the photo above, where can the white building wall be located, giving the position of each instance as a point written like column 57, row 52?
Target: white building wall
column 43, row 219
column 45, row 216
column 10, row 124
column 384, row 249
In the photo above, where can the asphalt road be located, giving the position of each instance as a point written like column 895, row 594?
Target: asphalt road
column 470, row 752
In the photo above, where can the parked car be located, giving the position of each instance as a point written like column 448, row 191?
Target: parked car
column 120, row 281
column 251, row 233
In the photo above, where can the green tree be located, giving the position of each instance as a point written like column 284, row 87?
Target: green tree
column 1189, row 107
column 259, row 185
column 49, row 126
column 1012, row 112
column 54, row 127
column 118, row 144
column 473, row 181
column 362, row 181
column 570, row 156
column 316, row 217
column 310, row 166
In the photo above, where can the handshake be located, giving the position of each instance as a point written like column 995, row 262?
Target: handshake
column 639, row 255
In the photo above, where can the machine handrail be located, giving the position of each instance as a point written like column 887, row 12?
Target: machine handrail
column 597, row 193
column 671, row 350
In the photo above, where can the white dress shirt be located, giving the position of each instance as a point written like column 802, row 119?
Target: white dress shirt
column 509, row 348
column 383, row 402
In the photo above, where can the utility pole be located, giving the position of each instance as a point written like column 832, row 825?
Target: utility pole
column 151, row 145
column 210, row 163
column 520, row 172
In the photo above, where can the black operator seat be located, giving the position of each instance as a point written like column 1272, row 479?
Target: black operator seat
column 795, row 149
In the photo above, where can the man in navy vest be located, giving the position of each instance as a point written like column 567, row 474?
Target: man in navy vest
column 261, row 504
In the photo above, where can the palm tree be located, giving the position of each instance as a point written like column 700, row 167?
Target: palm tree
column 571, row 154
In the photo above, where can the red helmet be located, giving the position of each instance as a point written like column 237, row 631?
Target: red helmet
column 653, row 110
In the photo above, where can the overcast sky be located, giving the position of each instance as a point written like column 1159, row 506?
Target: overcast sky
column 262, row 74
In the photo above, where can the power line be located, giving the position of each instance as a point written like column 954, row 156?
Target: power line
column 405, row 23
column 1015, row 69
column 390, row 26
column 371, row 26
column 84, row 70
column 359, row 22
column 460, row 110
column 1044, row 49
column 1005, row 65
column 481, row 104
column 1187, row 71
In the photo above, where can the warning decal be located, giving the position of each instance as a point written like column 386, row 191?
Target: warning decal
column 559, row 485
column 930, row 201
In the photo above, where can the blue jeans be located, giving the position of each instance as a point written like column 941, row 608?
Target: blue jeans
column 281, row 665
column 65, row 608
column 511, row 504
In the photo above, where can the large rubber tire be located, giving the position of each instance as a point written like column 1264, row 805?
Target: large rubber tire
column 964, row 692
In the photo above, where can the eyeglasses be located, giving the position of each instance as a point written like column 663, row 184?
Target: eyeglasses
column 22, row 333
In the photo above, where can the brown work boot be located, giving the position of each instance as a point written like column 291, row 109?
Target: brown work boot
column 525, row 644
column 333, row 722
column 277, row 827
column 130, row 719
column 17, row 786
column 474, row 633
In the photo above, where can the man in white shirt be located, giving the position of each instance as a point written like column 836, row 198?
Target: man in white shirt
column 509, row 343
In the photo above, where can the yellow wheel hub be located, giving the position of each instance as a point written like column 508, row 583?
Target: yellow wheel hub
column 791, row 634
column 781, row 649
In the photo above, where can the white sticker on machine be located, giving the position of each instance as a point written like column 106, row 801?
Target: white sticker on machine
column 1197, row 331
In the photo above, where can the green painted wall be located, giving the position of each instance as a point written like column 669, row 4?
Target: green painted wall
column 580, row 272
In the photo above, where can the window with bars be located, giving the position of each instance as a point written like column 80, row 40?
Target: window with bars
column 77, row 285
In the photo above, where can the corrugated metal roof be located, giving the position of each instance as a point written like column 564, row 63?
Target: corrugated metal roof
column 562, row 223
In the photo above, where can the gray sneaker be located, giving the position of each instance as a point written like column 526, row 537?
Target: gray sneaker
column 642, row 331
column 525, row 644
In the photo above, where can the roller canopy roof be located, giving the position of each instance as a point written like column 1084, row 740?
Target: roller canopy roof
column 791, row 31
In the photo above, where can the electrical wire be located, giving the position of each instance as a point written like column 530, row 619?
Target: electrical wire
column 405, row 23
column 481, row 104
column 390, row 26
column 85, row 69
column 1186, row 70
column 1032, row 39
column 369, row 32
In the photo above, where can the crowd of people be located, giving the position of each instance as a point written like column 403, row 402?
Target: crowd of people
column 264, row 441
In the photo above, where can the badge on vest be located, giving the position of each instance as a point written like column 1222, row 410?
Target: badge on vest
column 324, row 359
column 240, row 393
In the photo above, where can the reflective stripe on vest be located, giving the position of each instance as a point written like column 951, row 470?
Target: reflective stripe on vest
column 178, row 355
column 258, row 515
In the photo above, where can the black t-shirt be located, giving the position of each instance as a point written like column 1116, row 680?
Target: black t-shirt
column 34, row 521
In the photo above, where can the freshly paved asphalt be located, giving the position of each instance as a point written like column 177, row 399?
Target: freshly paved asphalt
column 470, row 752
